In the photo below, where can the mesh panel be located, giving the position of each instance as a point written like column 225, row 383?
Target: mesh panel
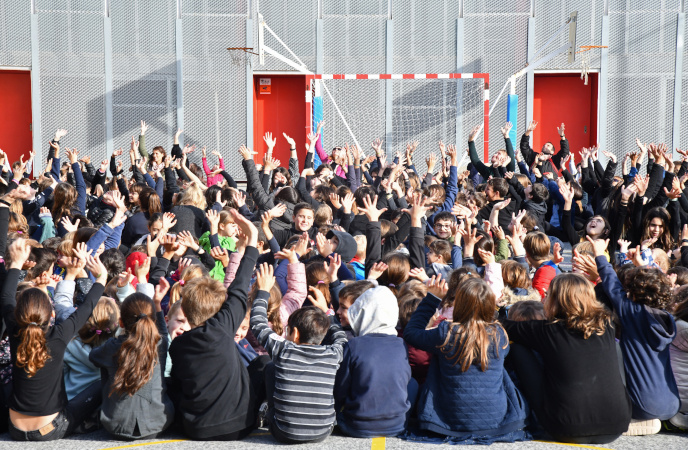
column 294, row 22
column 72, row 76
column 15, row 34
column 500, row 51
column 214, row 89
column 684, row 93
column 426, row 110
column 144, row 71
column 425, row 35
column 641, row 73
column 354, row 37
column 549, row 17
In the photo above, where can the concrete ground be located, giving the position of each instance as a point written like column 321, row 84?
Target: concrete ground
column 261, row 439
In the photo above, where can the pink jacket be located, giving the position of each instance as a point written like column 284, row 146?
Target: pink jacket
column 325, row 158
column 297, row 289
column 214, row 179
column 493, row 277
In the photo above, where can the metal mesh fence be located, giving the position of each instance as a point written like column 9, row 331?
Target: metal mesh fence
column 144, row 71
column 684, row 93
column 425, row 35
column 294, row 21
column 501, row 51
column 214, row 88
column 641, row 73
column 15, row 33
column 72, row 74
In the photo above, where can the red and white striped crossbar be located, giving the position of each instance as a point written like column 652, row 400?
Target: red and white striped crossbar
column 415, row 76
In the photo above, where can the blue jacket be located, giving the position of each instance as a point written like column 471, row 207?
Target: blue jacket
column 645, row 340
column 463, row 404
column 371, row 386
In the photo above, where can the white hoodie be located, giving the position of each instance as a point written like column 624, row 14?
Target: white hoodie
column 375, row 311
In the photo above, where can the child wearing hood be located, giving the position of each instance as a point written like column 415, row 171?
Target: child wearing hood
column 372, row 392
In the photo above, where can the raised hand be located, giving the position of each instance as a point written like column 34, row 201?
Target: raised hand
column 557, row 257
column 246, row 152
column 19, row 252
column 377, row 270
column 599, row 245
column 531, row 127
column 265, row 277
column 68, row 225
column 142, row 270
column 96, row 267
column 609, row 155
column 419, row 274
column 332, row 267
column 377, row 146
column 437, row 286
column 506, row 129
column 270, row 141
column 560, row 130
column 214, row 220
column 370, row 209
column 291, row 142
column 288, row 254
column 161, row 290
column 123, row 279
column 347, row 202
column 59, row 134
column 431, row 161
column 474, row 133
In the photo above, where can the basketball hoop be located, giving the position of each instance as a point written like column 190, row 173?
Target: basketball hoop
column 585, row 60
column 240, row 56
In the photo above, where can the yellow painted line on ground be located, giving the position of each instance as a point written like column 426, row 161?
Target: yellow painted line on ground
column 575, row 445
column 378, row 444
column 145, row 443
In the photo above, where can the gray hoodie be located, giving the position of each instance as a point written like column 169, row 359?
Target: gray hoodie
column 375, row 311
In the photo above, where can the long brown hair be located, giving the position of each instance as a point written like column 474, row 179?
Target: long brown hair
column 64, row 198
column 32, row 315
column 102, row 324
column 666, row 240
column 138, row 354
column 397, row 272
column 473, row 329
column 274, row 304
column 571, row 300
column 150, row 201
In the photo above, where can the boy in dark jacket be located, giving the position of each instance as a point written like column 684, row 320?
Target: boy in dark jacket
column 218, row 397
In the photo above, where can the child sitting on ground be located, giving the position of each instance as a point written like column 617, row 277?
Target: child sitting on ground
column 299, row 383
column 374, row 389
column 647, row 332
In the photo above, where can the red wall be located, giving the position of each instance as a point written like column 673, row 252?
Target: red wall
column 283, row 110
column 565, row 98
column 15, row 114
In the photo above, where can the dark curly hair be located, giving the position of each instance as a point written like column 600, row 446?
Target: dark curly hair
column 648, row 286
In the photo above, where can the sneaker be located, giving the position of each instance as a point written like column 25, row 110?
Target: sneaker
column 643, row 427
column 263, row 415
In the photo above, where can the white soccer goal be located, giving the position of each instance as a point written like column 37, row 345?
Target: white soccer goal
column 424, row 107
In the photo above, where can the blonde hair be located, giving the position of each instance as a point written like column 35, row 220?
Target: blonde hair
column 202, row 298
column 361, row 246
column 102, row 323
column 193, row 195
column 189, row 273
column 571, row 300
column 537, row 245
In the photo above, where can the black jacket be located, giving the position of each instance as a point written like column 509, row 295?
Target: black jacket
column 551, row 165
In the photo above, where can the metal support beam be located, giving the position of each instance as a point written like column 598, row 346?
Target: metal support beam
column 678, row 78
column 107, row 50
column 319, row 46
column 458, row 139
column 530, row 76
column 389, row 95
column 249, row 87
column 36, row 96
column 603, row 85
column 179, row 53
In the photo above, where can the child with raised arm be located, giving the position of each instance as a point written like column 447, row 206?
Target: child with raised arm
column 647, row 332
column 217, row 392
column 299, row 383
column 39, row 410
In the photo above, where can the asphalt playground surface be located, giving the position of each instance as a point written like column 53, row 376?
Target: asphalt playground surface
column 261, row 439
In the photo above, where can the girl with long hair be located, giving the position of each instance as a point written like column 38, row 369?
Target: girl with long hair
column 69, row 200
column 657, row 228
column 137, row 225
column 575, row 389
column 39, row 410
column 467, row 373
column 135, row 401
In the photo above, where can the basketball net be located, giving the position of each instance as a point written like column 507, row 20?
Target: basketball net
column 585, row 60
column 240, row 56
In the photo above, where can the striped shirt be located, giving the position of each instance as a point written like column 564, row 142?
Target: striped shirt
column 304, row 377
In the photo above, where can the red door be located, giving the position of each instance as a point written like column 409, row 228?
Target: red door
column 279, row 106
column 15, row 114
column 565, row 98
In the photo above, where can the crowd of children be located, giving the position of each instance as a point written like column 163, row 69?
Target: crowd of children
column 358, row 295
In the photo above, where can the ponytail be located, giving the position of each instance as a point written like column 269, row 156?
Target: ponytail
column 138, row 354
column 32, row 314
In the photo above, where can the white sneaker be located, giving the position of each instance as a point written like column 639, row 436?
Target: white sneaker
column 643, row 427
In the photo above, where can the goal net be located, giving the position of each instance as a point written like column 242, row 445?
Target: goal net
column 426, row 108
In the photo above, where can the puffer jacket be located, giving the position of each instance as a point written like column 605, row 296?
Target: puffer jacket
column 100, row 213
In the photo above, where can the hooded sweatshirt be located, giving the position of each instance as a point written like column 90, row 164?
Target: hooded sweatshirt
column 645, row 339
column 371, row 386
column 79, row 371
